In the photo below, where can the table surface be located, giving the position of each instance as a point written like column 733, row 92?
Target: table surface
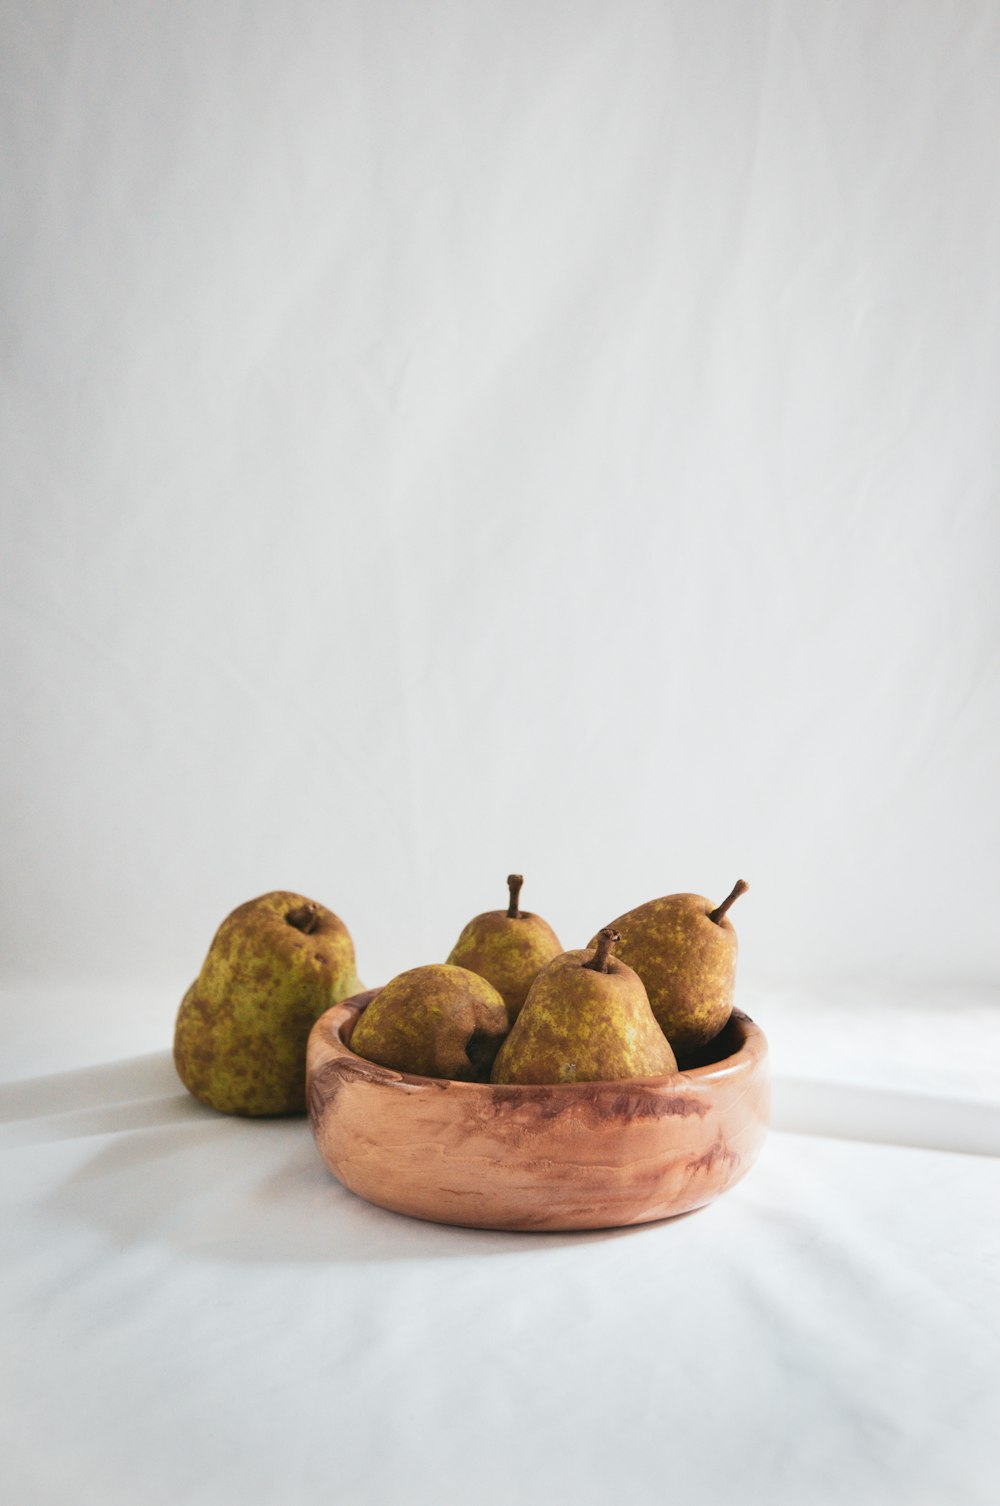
column 192, row 1309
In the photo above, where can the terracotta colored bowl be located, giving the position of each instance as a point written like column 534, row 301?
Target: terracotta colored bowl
column 590, row 1155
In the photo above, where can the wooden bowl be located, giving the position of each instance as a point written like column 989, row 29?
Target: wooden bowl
column 592, row 1155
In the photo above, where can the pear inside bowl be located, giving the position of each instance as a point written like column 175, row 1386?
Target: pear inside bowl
column 593, row 1155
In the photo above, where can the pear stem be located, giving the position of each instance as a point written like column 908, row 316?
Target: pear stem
column 605, row 941
column 304, row 918
column 514, row 882
column 740, row 887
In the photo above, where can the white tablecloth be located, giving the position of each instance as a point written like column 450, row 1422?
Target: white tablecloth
column 193, row 1310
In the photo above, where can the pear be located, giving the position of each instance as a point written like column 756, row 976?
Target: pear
column 684, row 949
column 434, row 1021
column 275, row 965
column 508, row 948
column 586, row 1019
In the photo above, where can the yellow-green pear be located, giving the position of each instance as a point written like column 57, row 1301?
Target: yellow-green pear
column 684, row 949
column 275, row 965
column 434, row 1021
column 508, row 948
column 586, row 1019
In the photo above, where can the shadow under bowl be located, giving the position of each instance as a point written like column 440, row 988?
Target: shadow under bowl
column 594, row 1155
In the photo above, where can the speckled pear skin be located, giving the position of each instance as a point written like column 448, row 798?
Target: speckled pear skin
column 507, row 953
column 508, row 948
column 686, row 961
column 578, row 1025
column 427, row 1020
column 241, row 1032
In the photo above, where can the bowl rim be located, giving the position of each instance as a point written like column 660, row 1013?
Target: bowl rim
column 329, row 1027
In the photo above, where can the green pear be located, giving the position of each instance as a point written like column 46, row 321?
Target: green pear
column 434, row 1021
column 508, row 948
column 275, row 965
column 684, row 950
column 586, row 1019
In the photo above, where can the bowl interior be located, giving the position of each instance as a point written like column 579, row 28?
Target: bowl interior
column 724, row 1053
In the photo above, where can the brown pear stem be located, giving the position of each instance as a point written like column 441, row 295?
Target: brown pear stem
column 740, row 887
column 605, row 941
column 304, row 918
column 514, row 882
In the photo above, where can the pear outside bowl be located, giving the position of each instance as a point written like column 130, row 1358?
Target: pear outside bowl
column 595, row 1155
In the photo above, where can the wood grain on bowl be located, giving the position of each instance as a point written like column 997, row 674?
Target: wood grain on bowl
column 568, row 1156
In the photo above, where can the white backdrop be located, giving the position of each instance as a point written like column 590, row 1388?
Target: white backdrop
column 443, row 438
